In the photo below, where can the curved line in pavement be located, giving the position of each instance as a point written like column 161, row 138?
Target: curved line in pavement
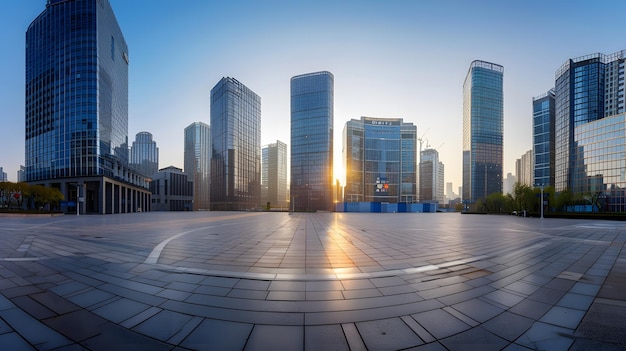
column 153, row 257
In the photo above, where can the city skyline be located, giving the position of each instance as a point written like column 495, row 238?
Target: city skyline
column 382, row 58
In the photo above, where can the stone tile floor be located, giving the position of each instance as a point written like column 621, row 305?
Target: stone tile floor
column 322, row 281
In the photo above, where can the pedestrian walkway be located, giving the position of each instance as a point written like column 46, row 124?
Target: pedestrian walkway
column 311, row 281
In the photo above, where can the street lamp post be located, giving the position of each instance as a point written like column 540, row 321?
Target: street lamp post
column 541, row 187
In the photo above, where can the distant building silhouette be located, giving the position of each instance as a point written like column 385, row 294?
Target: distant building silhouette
column 197, row 163
column 144, row 154
column 274, row 175
column 431, row 177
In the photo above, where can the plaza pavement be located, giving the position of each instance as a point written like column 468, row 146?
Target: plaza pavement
column 316, row 281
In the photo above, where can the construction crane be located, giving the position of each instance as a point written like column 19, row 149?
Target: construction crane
column 421, row 140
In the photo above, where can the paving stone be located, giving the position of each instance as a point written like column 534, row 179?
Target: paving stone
column 78, row 326
column 508, row 325
column 478, row 310
column 474, row 339
column 440, row 323
column 543, row 336
column 325, row 337
column 273, row 337
column 564, row 317
column 14, row 342
column 121, row 310
column 388, row 334
column 36, row 332
column 212, row 334
column 163, row 325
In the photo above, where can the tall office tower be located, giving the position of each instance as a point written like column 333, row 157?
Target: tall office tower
column 144, row 154
column 76, row 130
column 587, row 89
column 197, row 163
column 312, row 106
column 236, row 147
column 543, row 139
column 3, row 176
column 524, row 169
column 431, row 177
column 483, row 123
column 380, row 159
column 274, row 174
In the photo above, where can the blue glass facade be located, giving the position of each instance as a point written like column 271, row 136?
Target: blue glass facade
column 543, row 139
column 380, row 160
column 483, row 122
column 235, row 147
column 76, row 92
column 197, row 163
column 587, row 89
column 312, row 141
column 599, row 158
column 76, row 109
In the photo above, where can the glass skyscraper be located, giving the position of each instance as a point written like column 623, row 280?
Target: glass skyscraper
column 543, row 139
column 274, row 174
column 590, row 137
column 76, row 112
column 144, row 154
column 588, row 88
column 197, row 163
column 380, row 160
column 483, row 123
column 312, row 109
column 235, row 147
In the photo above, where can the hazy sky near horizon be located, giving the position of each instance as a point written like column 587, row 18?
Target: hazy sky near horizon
column 397, row 58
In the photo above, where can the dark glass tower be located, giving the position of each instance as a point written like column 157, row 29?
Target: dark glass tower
column 76, row 125
column 543, row 139
column 312, row 141
column 483, row 124
column 235, row 147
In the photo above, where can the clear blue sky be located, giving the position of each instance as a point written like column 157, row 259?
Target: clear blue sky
column 390, row 59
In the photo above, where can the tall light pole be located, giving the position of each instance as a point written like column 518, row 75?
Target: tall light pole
column 541, row 187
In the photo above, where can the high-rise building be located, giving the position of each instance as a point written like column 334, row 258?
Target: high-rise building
column 590, row 130
column 76, row 130
column 524, row 169
column 431, row 177
column 380, row 160
column 3, row 176
column 197, row 163
column 312, row 109
column 483, row 123
column 172, row 190
column 21, row 174
column 236, row 147
column 587, row 89
column 543, row 139
column 144, row 154
column 274, row 175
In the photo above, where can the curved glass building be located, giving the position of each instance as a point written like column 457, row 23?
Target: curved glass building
column 76, row 125
column 312, row 141
column 483, row 127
